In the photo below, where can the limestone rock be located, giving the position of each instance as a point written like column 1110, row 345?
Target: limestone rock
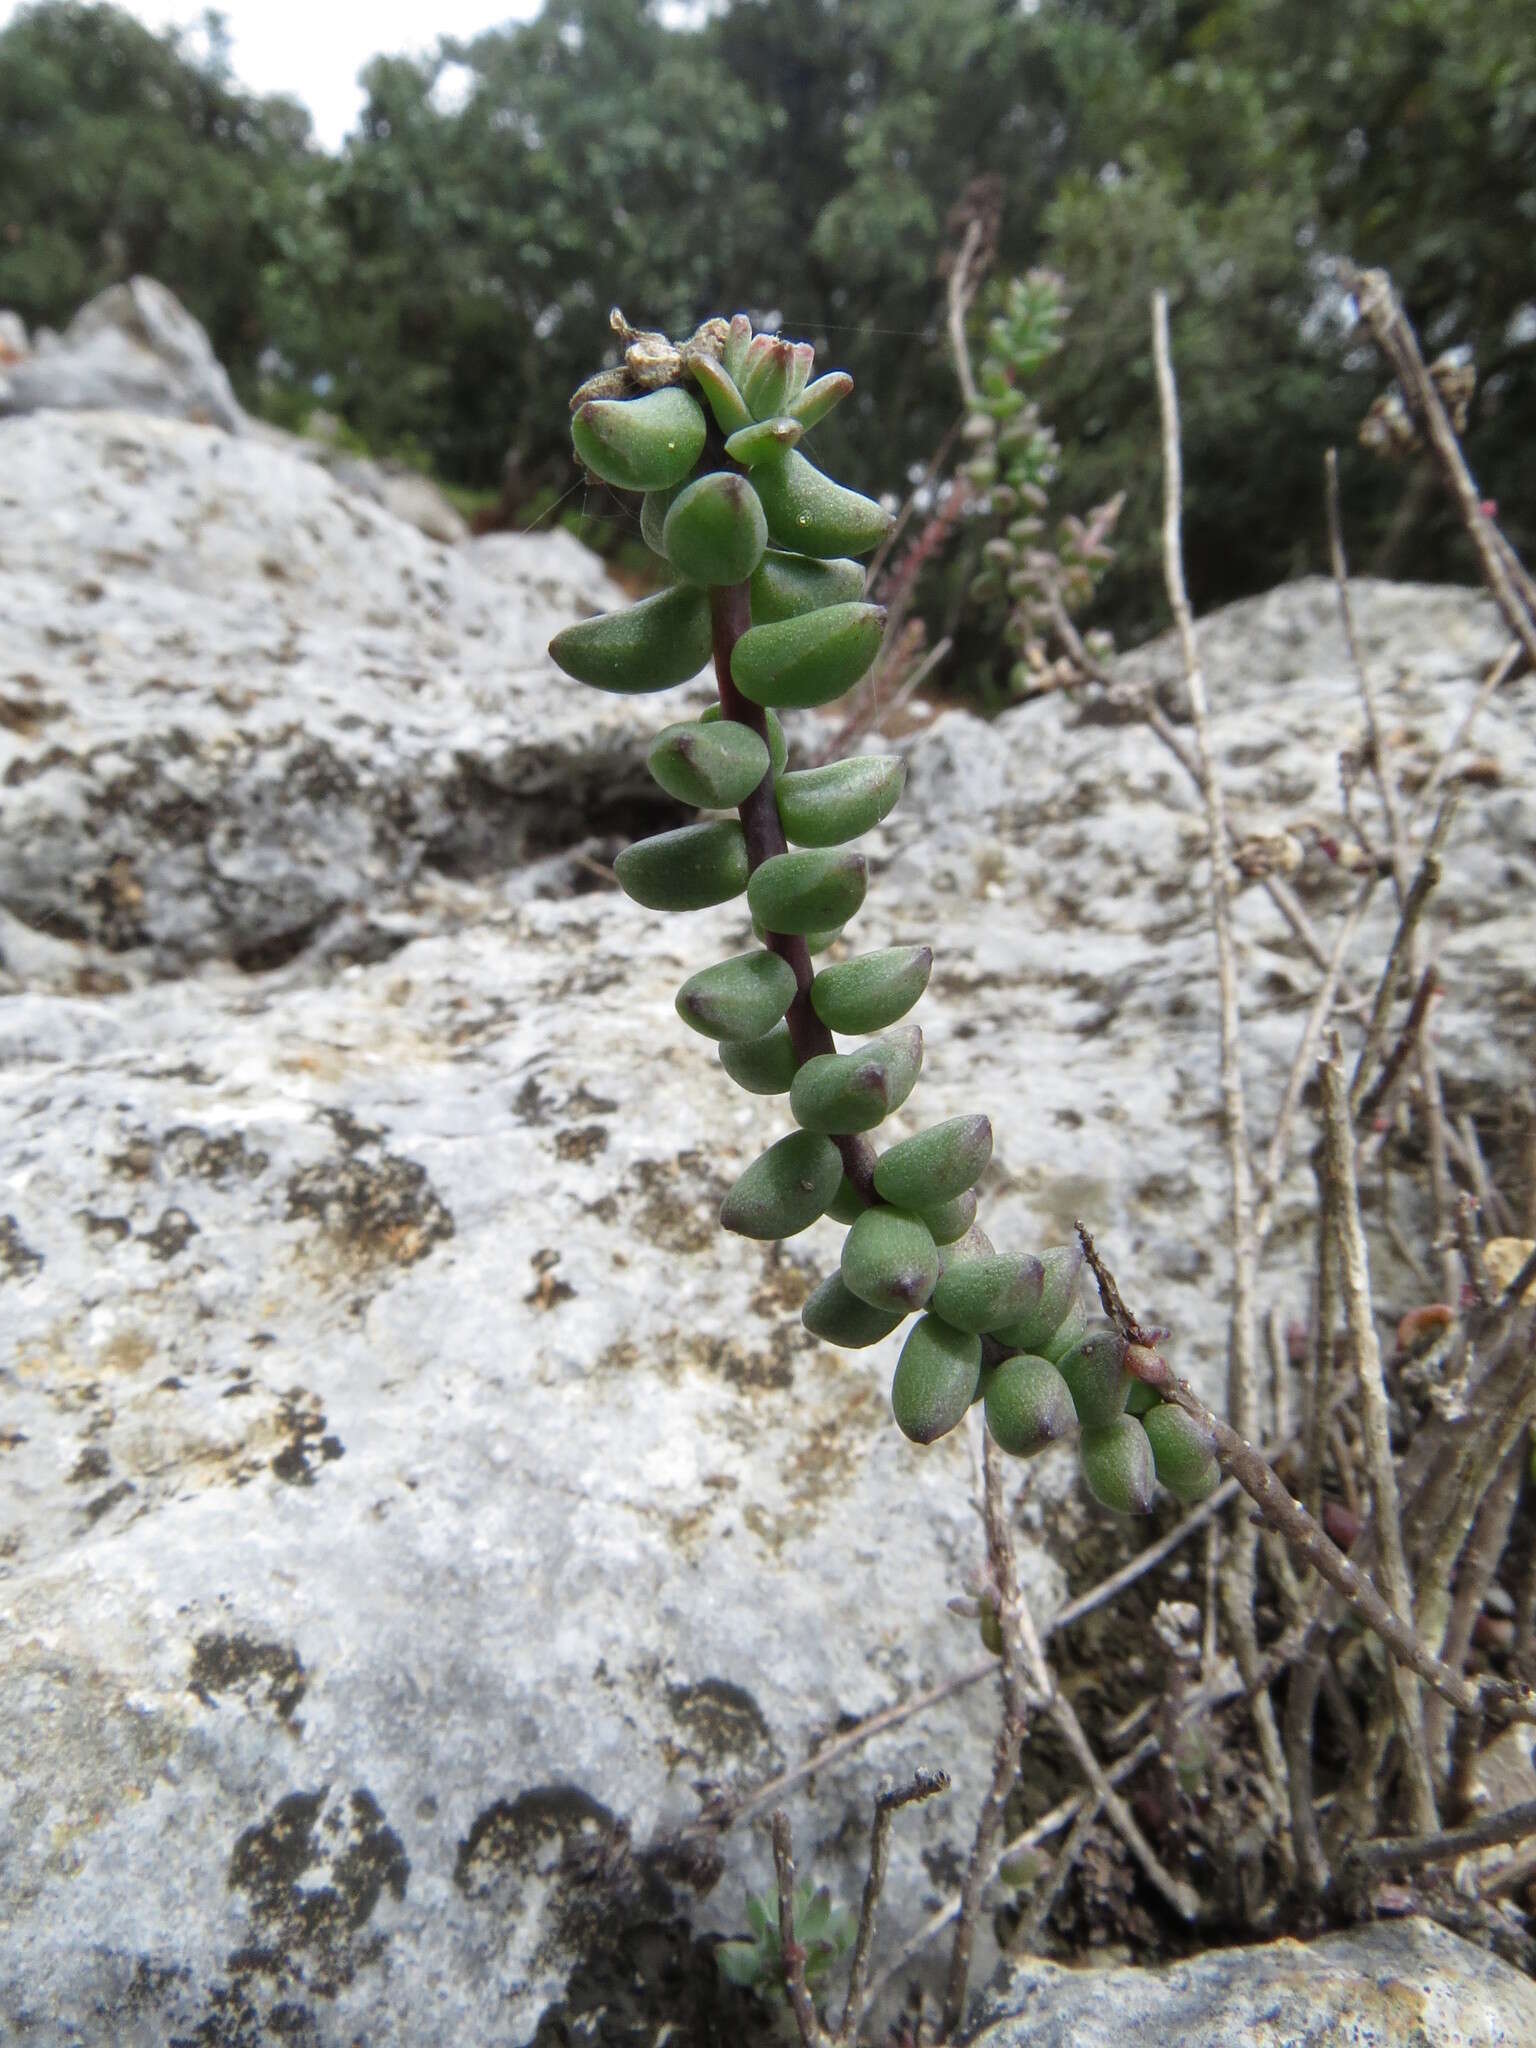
column 133, row 348
column 241, row 704
column 408, row 1497
column 1397, row 1984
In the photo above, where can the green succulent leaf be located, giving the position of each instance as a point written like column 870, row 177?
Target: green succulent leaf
column 1181, row 1452
column 763, row 440
column 720, row 388
column 872, row 991
column 715, row 767
column 1072, row 1328
column 842, row 1092
column 785, row 586
column 847, row 1203
column 1028, row 1405
column 1038, row 1321
column 937, row 1165
column 785, row 1188
column 811, row 514
column 1094, row 1369
column 800, row 662
column 838, row 1317
column 936, row 1379
column 815, row 942
column 640, row 444
column 1141, row 1399
column 763, row 1066
column 986, row 1293
column 740, row 999
column 826, row 806
column 778, row 746
column 654, row 508
column 739, row 1962
column 1117, row 1463
column 818, row 399
column 768, row 375
column 733, row 356
column 690, row 869
column 715, row 531
column 890, row 1260
column 974, row 1244
column 663, row 640
column 951, row 1220
column 807, row 892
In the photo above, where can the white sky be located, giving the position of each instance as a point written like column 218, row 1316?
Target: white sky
column 314, row 49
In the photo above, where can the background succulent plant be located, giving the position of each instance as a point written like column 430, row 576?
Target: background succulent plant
column 823, row 1930
column 763, row 549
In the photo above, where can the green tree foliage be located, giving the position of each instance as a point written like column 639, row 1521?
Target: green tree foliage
column 123, row 152
column 443, row 281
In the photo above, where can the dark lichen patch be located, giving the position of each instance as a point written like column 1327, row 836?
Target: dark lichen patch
column 92, row 1463
column 719, row 1721
column 770, row 1369
column 678, row 1206
column 645, row 1978
column 353, row 1133
column 549, row 1831
column 548, row 1290
column 302, row 1418
column 581, row 1142
column 136, row 1161
column 170, row 1236
column 18, row 1261
column 104, row 1503
column 212, row 1157
column 262, row 1674
column 313, row 1872
column 103, row 1229
column 531, row 1105
column 232, row 2020
column 584, row 1103
column 382, row 1211
column 784, row 1287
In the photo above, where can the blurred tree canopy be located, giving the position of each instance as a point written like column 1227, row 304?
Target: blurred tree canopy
column 443, row 282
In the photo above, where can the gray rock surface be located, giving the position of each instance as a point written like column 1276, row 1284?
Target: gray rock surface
column 239, row 701
column 133, row 348
column 408, row 1498
column 1398, row 1984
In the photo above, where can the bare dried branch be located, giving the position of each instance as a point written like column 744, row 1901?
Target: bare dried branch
column 809, row 2028
column 1355, row 1272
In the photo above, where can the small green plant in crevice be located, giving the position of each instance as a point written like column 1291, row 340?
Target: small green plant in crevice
column 1011, row 464
column 762, row 547
column 824, row 1932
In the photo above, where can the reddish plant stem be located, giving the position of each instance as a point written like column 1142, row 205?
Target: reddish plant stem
column 730, row 615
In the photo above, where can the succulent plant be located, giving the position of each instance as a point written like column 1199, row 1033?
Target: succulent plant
column 761, row 547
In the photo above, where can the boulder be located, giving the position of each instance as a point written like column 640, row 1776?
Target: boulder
column 243, row 707
column 133, row 348
column 411, row 1504
column 1397, row 1984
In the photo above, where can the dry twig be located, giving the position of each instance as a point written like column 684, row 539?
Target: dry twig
column 888, row 1802
column 1502, row 572
column 811, row 2032
column 1240, row 1576
column 1359, row 1319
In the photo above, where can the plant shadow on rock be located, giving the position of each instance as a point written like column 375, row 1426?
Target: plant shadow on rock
column 640, row 1973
